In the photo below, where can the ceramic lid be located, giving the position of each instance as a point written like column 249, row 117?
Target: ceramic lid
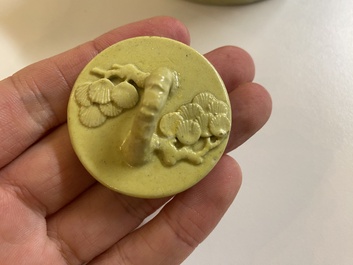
column 149, row 117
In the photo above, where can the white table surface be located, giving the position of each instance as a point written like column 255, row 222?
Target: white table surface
column 296, row 202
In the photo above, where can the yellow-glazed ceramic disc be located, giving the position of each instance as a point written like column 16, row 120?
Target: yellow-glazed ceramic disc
column 191, row 127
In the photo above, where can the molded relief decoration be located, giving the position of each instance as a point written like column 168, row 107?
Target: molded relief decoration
column 188, row 134
column 193, row 130
column 109, row 96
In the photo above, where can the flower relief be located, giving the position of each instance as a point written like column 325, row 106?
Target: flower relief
column 187, row 134
column 194, row 129
column 107, row 97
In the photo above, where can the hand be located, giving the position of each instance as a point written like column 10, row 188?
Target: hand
column 53, row 212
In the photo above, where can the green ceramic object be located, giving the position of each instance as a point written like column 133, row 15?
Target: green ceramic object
column 149, row 117
column 226, row 2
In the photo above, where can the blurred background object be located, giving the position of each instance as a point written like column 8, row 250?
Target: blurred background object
column 226, row 2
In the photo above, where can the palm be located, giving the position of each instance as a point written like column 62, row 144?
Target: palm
column 52, row 210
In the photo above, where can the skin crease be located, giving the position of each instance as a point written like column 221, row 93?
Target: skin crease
column 53, row 212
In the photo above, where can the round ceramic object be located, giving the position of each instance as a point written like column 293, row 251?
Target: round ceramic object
column 226, row 2
column 149, row 117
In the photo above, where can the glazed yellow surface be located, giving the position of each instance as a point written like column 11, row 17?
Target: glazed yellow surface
column 99, row 148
